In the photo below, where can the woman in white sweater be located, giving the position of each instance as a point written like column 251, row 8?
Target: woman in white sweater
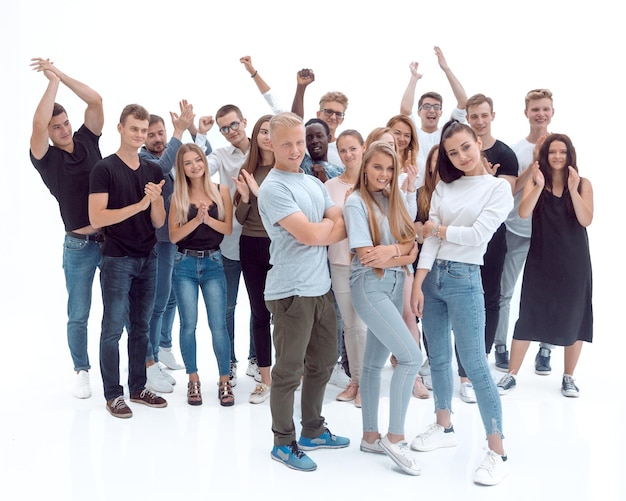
column 467, row 207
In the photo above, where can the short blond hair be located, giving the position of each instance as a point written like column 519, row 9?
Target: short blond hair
column 535, row 94
column 340, row 97
column 285, row 120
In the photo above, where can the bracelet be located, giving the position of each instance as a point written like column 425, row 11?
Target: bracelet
column 398, row 250
column 254, row 74
column 435, row 232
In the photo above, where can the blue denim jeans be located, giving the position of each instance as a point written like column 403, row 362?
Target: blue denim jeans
column 207, row 274
column 81, row 258
column 128, row 290
column 232, row 271
column 454, row 300
column 165, row 302
column 378, row 302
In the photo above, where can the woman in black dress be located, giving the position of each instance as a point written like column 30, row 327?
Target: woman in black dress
column 555, row 305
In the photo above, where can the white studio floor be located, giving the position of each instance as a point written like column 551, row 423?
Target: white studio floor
column 54, row 445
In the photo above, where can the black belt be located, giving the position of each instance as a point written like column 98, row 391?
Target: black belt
column 94, row 237
column 197, row 253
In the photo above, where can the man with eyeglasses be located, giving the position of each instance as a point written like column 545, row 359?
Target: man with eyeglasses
column 332, row 110
column 429, row 110
column 227, row 162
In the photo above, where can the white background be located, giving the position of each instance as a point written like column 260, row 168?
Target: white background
column 156, row 53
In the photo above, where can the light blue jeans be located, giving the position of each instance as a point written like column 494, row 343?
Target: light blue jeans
column 206, row 274
column 454, row 300
column 81, row 258
column 378, row 302
column 165, row 302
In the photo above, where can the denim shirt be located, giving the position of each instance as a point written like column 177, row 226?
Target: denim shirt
column 332, row 170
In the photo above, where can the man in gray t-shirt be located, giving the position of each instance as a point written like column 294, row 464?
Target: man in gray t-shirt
column 301, row 221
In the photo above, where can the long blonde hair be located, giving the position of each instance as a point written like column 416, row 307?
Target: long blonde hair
column 400, row 224
column 182, row 186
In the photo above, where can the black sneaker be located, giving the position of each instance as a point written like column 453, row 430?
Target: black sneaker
column 542, row 362
column 568, row 388
column 148, row 398
column 502, row 358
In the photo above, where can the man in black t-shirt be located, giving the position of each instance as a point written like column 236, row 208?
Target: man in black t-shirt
column 64, row 167
column 125, row 199
column 501, row 162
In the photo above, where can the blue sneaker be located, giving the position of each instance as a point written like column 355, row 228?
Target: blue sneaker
column 325, row 441
column 292, row 457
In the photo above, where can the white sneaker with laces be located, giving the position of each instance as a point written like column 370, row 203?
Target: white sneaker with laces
column 233, row 374
column 425, row 368
column 82, row 388
column 435, row 437
column 399, row 453
column 467, row 393
column 167, row 358
column 166, row 375
column 155, row 380
column 260, row 394
column 253, row 367
column 339, row 376
column 492, row 470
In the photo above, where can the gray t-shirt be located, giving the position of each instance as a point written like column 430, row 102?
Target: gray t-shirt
column 357, row 226
column 297, row 269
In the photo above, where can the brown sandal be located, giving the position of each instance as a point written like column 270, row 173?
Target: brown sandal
column 194, row 397
column 225, row 393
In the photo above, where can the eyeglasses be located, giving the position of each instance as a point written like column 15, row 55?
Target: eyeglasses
column 428, row 107
column 226, row 129
column 329, row 113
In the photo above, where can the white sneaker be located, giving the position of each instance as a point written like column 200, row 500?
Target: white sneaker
column 253, row 370
column 233, row 374
column 435, row 437
column 425, row 368
column 339, row 377
column 260, row 394
column 166, row 375
column 82, row 388
column 167, row 358
column 492, row 470
column 467, row 393
column 400, row 455
column 373, row 448
column 155, row 380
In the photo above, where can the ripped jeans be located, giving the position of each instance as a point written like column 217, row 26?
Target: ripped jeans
column 454, row 301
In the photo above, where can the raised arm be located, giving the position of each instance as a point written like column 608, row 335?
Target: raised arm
column 94, row 113
column 304, row 77
column 39, row 139
column 254, row 74
column 583, row 201
column 457, row 88
column 408, row 98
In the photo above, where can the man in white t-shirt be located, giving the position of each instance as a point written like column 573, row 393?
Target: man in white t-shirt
column 539, row 111
column 430, row 109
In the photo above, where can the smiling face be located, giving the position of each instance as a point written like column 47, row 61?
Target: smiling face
column 288, row 145
column 133, row 132
column 156, row 140
column 317, row 142
column 379, row 172
column 194, row 165
column 557, row 155
column 464, row 152
column 351, row 152
column 479, row 118
column 429, row 115
column 539, row 113
column 332, row 113
column 403, row 135
column 60, row 131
